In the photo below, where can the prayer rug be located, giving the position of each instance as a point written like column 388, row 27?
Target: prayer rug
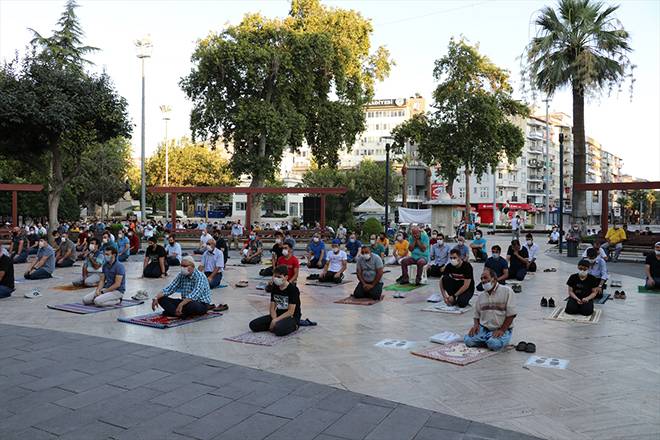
column 266, row 339
column 358, row 301
column 158, row 320
column 441, row 307
column 559, row 315
column 71, row 288
column 402, row 287
column 644, row 289
column 82, row 309
column 457, row 353
column 21, row 279
column 600, row 300
column 327, row 283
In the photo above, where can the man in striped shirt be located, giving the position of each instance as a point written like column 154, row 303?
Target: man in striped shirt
column 194, row 289
column 493, row 314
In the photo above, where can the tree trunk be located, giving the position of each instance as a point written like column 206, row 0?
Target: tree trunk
column 207, row 211
column 468, row 217
column 255, row 214
column 579, row 198
column 404, row 192
column 55, row 188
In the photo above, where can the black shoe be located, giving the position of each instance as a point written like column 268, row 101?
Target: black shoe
column 403, row 281
column 544, row 302
column 522, row 346
column 551, row 303
column 398, row 280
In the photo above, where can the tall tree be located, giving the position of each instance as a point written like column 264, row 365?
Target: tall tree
column 471, row 128
column 582, row 45
column 52, row 110
column 269, row 84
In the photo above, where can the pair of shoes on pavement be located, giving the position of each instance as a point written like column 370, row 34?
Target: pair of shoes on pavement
column 528, row 347
column 399, row 295
column 33, row 295
column 620, row 294
column 547, row 302
column 141, row 295
column 435, row 298
column 402, row 280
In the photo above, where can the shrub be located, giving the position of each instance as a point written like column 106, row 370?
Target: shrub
column 371, row 226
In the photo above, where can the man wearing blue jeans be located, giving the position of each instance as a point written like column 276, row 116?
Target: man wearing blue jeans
column 213, row 264
column 44, row 266
column 6, row 275
column 493, row 314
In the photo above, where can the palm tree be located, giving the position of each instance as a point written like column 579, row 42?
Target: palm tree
column 581, row 44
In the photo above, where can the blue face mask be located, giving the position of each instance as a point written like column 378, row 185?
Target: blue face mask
column 108, row 259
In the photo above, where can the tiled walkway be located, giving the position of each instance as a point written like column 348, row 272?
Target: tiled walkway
column 56, row 385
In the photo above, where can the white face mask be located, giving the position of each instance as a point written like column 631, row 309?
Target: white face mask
column 487, row 286
column 496, row 255
column 478, row 236
column 209, row 248
column 461, row 243
column 352, row 240
column 399, row 238
column 42, row 244
column 440, row 242
column 434, row 235
column 583, row 273
column 105, row 241
column 530, row 242
column 335, row 250
column 92, row 247
column 366, row 256
column 185, row 271
column 278, row 281
column 455, row 261
column 316, row 239
column 285, row 252
column 372, row 241
column 657, row 252
column 278, row 241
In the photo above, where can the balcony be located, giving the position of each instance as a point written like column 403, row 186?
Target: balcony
column 534, row 134
column 534, row 178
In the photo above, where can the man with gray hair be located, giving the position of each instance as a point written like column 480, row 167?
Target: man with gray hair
column 194, row 289
column 213, row 264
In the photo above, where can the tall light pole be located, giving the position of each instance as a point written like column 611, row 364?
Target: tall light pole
column 494, row 198
column 387, row 178
column 546, row 174
column 561, row 189
column 143, row 47
column 165, row 111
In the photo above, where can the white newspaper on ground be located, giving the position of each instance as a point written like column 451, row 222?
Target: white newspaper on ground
column 400, row 344
column 546, row 362
column 446, row 337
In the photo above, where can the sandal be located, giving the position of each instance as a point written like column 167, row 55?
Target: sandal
column 220, row 308
column 544, row 302
column 522, row 346
column 622, row 295
column 551, row 303
column 617, row 294
column 307, row 323
column 531, row 347
column 242, row 284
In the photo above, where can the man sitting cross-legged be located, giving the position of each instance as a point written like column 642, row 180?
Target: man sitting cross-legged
column 173, row 249
column 598, row 269
column 518, row 259
column 44, row 265
column 478, row 246
column 316, row 252
column 123, row 246
column 439, row 257
column 92, row 265
column 494, row 312
column 19, row 246
column 6, row 274
column 353, row 247
column 112, row 284
column 333, row 271
column 213, row 264
column 155, row 263
column 498, row 264
column 369, row 274
column 582, row 289
column 284, row 313
column 419, row 255
column 194, row 289
column 253, row 250
column 65, row 255
column 652, row 268
column 457, row 282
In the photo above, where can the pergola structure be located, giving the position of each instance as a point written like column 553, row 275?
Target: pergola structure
column 247, row 190
column 15, row 188
column 605, row 188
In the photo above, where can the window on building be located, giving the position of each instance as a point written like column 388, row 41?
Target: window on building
column 500, row 175
column 500, row 193
column 513, row 176
column 483, row 192
column 474, row 190
column 595, row 197
column 240, row 206
column 293, row 209
column 461, row 191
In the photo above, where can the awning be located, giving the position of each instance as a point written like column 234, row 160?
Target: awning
column 370, row 206
column 521, row 206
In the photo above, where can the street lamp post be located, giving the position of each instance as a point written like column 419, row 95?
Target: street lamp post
column 561, row 189
column 165, row 110
column 494, row 198
column 387, row 178
column 546, row 174
column 144, row 47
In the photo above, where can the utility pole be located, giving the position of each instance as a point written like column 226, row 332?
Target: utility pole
column 546, row 173
column 144, row 47
column 165, row 110
column 561, row 189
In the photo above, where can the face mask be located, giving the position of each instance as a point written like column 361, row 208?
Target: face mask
column 64, row 237
column 399, row 238
column 454, row 261
column 92, row 247
column 278, row 281
column 278, row 240
column 166, row 236
column 285, row 252
column 487, row 286
column 591, row 260
column 461, row 243
column 496, row 255
column 252, row 237
column 372, row 241
column 335, row 250
column 108, row 259
column 130, row 234
column 440, row 242
column 105, row 241
column 352, row 240
column 657, row 252
column 478, row 236
column 366, row 256
column 582, row 273
column 209, row 248
column 316, row 239
column 185, row 271
column 530, row 242
column 42, row 244
column 120, row 235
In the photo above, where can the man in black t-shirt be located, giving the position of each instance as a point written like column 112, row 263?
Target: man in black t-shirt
column 652, row 268
column 155, row 260
column 284, row 313
column 457, row 282
column 6, row 275
column 518, row 259
column 498, row 264
column 275, row 253
column 581, row 291
column 19, row 246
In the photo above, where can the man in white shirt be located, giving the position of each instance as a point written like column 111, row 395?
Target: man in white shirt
column 516, row 226
column 148, row 231
column 532, row 250
column 203, row 241
column 213, row 264
column 173, row 249
column 599, row 250
column 236, row 233
column 335, row 266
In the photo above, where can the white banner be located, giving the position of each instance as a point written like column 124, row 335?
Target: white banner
column 420, row 216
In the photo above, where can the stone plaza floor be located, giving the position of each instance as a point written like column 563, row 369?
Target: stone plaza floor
column 64, row 375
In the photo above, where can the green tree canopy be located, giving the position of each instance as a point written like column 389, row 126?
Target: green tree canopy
column 471, row 127
column 268, row 84
column 580, row 45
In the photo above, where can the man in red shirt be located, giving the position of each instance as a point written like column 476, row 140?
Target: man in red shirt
column 290, row 261
column 134, row 242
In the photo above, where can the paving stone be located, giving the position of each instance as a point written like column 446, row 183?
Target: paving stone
column 128, row 416
column 266, row 395
column 428, row 433
column 156, row 428
column 202, row 405
column 182, row 395
column 93, row 431
column 290, row 407
column 53, row 381
column 88, row 397
column 307, row 426
column 403, row 423
column 21, row 422
column 96, row 380
column 30, row 434
column 140, row 379
column 218, row 421
column 28, row 401
column 447, row 422
column 358, row 422
column 237, row 389
column 256, row 427
column 339, row 401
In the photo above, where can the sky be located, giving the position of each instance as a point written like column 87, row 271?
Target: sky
column 416, row 32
